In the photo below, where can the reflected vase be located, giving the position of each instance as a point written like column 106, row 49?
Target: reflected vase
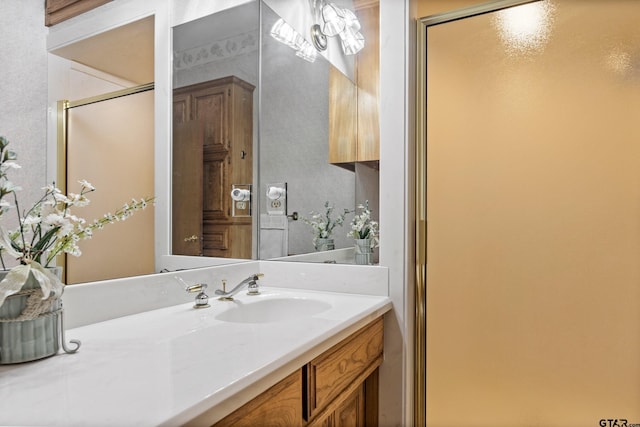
column 32, row 338
column 363, row 251
column 324, row 245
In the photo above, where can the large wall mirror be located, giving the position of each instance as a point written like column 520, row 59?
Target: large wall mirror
column 248, row 114
column 255, row 115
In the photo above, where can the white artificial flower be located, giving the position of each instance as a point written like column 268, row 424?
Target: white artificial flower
column 87, row 233
column 32, row 220
column 53, row 219
column 49, row 188
column 86, row 185
column 9, row 186
column 10, row 164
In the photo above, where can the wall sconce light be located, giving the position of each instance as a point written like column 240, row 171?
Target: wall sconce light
column 331, row 21
column 337, row 21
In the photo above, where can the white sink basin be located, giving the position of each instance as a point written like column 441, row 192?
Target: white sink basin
column 273, row 310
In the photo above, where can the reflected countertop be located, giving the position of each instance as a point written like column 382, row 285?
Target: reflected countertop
column 167, row 366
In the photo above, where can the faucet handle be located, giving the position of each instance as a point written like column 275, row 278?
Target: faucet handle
column 198, row 287
column 253, row 288
column 202, row 299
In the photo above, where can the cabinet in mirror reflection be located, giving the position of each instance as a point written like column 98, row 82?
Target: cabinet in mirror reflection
column 212, row 151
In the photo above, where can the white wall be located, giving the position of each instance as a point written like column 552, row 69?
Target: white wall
column 396, row 212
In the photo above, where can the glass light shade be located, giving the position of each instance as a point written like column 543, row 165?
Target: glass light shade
column 351, row 20
column 352, row 41
column 307, row 52
column 284, row 33
column 333, row 18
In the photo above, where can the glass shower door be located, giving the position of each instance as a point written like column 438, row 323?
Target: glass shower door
column 533, row 213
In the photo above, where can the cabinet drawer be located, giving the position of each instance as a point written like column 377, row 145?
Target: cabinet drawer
column 349, row 362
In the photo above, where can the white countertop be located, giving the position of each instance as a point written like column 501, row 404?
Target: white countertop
column 167, row 366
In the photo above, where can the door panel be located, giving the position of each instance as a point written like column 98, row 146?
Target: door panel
column 533, row 212
column 187, row 237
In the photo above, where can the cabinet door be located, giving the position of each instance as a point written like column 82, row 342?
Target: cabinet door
column 351, row 412
column 186, row 187
column 223, row 108
column 181, row 108
column 368, row 78
column 216, row 189
column 210, row 106
column 342, row 118
column 280, row 406
column 347, row 364
column 354, row 130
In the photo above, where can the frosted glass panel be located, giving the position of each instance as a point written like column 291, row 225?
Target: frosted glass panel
column 533, row 205
column 110, row 144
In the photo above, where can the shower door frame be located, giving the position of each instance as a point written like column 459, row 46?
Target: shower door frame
column 62, row 140
column 420, row 332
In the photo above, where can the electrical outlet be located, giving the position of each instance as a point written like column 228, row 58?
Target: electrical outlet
column 276, row 198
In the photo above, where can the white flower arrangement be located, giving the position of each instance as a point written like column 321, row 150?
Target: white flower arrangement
column 363, row 227
column 322, row 225
column 45, row 230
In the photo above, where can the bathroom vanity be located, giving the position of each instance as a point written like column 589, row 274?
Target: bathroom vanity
column 339, row 387
column 309, row 357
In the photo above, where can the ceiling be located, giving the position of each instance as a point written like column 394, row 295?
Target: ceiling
column 125, row 52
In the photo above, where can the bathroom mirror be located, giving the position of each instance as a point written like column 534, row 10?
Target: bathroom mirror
column 283, row 141
column 288, row 121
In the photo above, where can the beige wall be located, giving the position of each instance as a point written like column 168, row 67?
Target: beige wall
column 534, row 223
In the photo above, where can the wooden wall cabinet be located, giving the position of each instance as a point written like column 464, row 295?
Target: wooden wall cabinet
column 337, row 389
column 57, row 11
column 212, row 151
column 354, row 131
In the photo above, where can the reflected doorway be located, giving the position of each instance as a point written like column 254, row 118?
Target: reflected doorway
column 109, row 142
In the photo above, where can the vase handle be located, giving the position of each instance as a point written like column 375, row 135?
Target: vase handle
column 62, row 338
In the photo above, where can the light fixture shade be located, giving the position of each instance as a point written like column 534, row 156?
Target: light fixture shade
column 351, row 20
column 284, row 33
column 352, row 41
column 307, row 52
column 333, row 18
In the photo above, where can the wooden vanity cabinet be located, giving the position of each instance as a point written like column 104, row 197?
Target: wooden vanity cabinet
column 278, row 406
column 340, row 381
column 212, row 151
column 339, row 388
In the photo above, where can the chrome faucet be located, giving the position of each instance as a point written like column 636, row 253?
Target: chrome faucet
column 250, row 282
column 202, row 299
